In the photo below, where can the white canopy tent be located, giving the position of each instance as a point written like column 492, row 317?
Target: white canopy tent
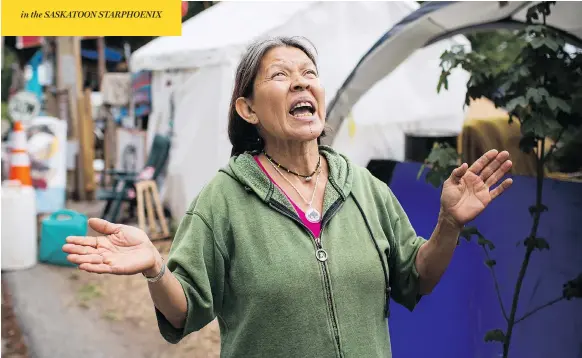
column 404, row 101
column 414, row 36
column 193, row 76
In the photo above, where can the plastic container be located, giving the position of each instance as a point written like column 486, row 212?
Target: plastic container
column 19, row 235
column 54, row 232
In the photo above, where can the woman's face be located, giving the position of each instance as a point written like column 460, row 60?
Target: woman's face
column 288, row 101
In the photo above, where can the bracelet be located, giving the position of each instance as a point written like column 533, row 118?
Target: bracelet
column 158, row 276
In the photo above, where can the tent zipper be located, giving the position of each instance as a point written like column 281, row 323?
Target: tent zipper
column 317, row 240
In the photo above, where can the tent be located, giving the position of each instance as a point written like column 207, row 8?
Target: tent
column 193, row 74
column 428, row 25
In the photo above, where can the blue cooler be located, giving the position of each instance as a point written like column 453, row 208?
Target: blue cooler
column 54, row 232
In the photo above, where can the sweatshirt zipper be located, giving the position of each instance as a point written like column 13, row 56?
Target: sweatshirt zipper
column 334, row 207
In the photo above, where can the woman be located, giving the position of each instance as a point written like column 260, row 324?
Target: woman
column 295, row 250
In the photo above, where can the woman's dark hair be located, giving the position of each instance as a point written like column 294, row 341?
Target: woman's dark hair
column 243, row 135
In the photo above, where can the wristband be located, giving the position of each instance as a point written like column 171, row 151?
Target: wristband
column 158, row 276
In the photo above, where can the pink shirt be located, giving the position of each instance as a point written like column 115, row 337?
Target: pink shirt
column 315, row 228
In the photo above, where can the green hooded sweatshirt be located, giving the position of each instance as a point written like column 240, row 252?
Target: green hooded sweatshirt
column 243, row 256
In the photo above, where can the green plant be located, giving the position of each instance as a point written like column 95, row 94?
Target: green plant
column 542, row 89
column 501, row 46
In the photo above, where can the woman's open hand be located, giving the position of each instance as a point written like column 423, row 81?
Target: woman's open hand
column 467, row 192
column 121, row 250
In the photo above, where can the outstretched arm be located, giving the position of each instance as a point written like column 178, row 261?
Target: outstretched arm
column 466, row 193
column 126, row 250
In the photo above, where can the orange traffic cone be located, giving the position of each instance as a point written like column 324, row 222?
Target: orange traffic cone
column 19, row 161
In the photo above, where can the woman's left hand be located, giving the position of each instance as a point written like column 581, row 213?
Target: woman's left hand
column 467, row 192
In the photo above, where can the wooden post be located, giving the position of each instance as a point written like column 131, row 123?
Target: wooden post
column 51, row 92
column 127, row 53
column 70, row 78
column 65, row 81
column 88, row 151
column 78, row 117
column 110, row 142
column 101, row 64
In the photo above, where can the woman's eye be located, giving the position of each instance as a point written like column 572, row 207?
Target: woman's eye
column 278, row 74
column 311, row 72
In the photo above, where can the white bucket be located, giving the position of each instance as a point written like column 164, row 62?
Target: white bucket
column 19, row 236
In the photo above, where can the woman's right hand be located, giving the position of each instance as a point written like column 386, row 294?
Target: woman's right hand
column 121, row 250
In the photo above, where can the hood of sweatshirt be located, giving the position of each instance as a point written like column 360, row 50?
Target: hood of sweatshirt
column 245, row 170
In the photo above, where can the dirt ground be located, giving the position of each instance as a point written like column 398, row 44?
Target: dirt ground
column 13, row 344
column 125, row 302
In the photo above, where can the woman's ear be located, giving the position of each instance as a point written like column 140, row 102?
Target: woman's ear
column 243, row 108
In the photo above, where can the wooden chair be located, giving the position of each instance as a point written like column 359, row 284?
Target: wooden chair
column 147, row 191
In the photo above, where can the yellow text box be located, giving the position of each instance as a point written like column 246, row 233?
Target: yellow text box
column 91, row 18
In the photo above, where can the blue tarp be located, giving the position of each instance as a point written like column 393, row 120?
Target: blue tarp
column 451, row 322
column 111, row 55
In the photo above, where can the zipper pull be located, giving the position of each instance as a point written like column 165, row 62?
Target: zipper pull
column 320, row 253
column 318, row 242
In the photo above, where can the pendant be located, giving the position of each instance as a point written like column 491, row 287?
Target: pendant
column 321, row 255
column 307, row 178
column 312, row 215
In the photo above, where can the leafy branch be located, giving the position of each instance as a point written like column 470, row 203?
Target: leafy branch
column 541, row 88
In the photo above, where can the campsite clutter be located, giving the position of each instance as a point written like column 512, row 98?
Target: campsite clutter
column 77, row 135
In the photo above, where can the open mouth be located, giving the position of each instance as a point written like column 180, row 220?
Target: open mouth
column 302, row 109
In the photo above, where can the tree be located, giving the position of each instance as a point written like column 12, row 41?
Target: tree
column 542, row 89
column 501, row 46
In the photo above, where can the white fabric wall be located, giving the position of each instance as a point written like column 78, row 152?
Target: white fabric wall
column 200, row 144
column 163, row 84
